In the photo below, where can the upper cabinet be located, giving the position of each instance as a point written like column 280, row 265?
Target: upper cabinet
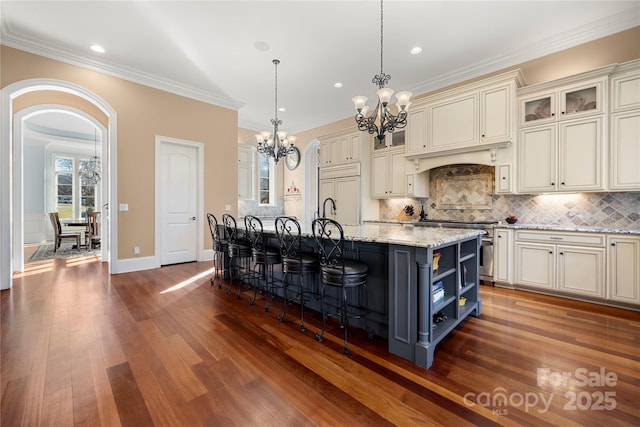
column 468, row 118
column 416, row 131
column 246, row 156
column 340, row 149
column 567, row 102
column 391, row 141
column 624, row 128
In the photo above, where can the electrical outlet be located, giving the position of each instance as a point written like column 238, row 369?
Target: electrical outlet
column 227, row 207
column 136, row 250
column 124, row 207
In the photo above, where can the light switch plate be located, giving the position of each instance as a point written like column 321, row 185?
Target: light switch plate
column 124, row 206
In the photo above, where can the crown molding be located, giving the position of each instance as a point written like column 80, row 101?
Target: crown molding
column 126, row 73
column 584, row 34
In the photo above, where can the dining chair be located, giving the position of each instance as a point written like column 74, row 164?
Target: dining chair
column 59, row 236
column 93, row 231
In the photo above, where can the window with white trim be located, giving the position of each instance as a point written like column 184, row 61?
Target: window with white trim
column 72, row 194
column 266, row 181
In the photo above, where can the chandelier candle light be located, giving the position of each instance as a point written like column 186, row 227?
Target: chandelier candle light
column 382, row 120
column 90, row 170
column 278, row 145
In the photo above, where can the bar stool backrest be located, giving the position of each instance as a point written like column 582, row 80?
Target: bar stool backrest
column 289, row 237
column 230, row 228
column 254, row 230
column 329, row 238
column 215, row 231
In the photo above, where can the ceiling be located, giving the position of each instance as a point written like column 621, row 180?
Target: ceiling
column 221, row 51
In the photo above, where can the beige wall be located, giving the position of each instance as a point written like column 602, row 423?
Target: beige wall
column 142, row 113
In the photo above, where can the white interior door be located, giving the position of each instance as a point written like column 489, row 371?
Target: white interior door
column 179, row 203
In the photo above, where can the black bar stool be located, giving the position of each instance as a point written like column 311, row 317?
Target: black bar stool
column 220, row 247
column 239, row 253
column 295, row 261
column 348, row 276
column 264, row 257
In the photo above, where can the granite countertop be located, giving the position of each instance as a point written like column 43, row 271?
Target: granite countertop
column 550, row 227
column 580, row 228
column 396, row 234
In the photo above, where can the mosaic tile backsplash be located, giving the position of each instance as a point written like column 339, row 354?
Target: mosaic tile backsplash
column 605, row 210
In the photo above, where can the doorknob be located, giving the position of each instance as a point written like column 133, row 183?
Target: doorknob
column 193, row 218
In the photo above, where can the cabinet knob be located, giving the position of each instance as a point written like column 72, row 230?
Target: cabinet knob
column 504, row 177
column 553, row 114
column 562, row 183
column 561, row 253
column 562, row 112
column 551, row 252
column 499, row 237
column 613, row 244
column 483, row 135
column 553, row 183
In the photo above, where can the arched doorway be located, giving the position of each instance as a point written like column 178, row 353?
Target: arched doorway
column 11, row 179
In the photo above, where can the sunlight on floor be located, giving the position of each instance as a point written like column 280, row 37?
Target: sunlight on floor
column 189, row 281
column 36, row 267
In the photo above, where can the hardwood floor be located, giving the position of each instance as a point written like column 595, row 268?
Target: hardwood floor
column 163, row 347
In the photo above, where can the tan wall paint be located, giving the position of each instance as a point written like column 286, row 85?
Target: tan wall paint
column 143, row 113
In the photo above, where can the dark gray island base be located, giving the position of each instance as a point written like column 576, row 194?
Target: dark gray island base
column 406, row 305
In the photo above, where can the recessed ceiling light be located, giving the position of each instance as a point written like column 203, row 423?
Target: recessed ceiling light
column 97, row 48
column 262, row 46
column 282, row 109
column 416, row 50
column 337, row 84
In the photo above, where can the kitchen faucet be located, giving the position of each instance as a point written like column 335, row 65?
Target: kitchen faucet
column 324, row 206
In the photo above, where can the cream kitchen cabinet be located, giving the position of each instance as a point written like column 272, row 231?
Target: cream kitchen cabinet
column 568, row 101
column 562, row 157
column 479, row 115
column 416, row 131
column 346, row 193
column 329, row 152
column 452, row 123
column 503, row 255
column 624, row 151
column 572, row 263
column 246, row 156
column 388, row 175
column 340, row 148
column 623, row 254
column 390, row 142
column 625, row 87
column 349, row 148
column 504, row 180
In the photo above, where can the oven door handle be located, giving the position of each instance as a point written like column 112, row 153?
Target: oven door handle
column 488, row 240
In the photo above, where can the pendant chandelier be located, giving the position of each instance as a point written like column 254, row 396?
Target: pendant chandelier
column 382, row 120
column 90, row 170
column 276, row 144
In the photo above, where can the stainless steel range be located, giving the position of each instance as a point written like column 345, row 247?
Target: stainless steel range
column 486, row 249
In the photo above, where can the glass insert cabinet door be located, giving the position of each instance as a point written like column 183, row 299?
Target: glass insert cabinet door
column 563, row 103
column 390, row 141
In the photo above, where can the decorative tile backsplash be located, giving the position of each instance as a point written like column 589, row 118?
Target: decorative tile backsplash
column 605, row 210
column 251, row 207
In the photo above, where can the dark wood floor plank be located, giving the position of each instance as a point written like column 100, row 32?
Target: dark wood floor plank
column 132, row 408
column 164, row 348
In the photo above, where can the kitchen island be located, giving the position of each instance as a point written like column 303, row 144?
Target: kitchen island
column 411, row 304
